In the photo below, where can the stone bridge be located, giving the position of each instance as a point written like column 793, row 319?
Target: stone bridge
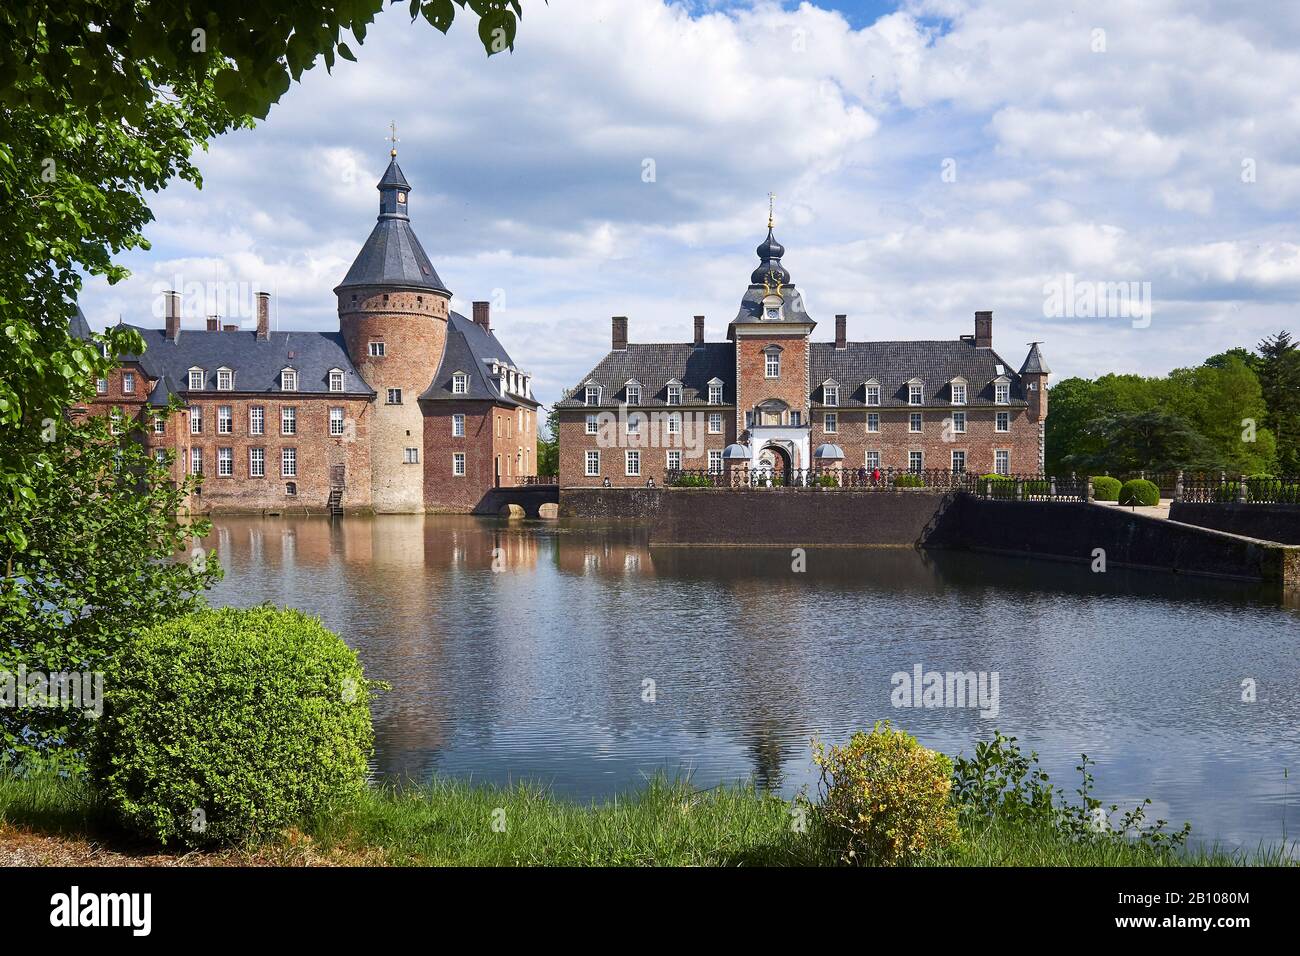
column 521, row 501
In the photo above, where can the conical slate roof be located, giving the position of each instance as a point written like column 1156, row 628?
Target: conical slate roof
column 1034, row 364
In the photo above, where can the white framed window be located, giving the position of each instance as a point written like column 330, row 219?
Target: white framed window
column 257, row 463
column 914, row 422
column 458, row 464
column 633, row 392
column 160, row 455
column 1001, row 462
column 196, row 461
column 288, row 380
column 159, row 425
column 673, row 460
column 1002, row 392
column 336, row 421
column 873, row 421
column 593, row 464
column 115, row 417
column 873, row 460
column 225, row 462
column 915, row 393
column 959, row 393
column 196, row 420
column 460, row 384
column 101, row 386
column 591, row 395
column 674, row 423
column 632, row 464
column 288, row 462
column 831, row 423
column 411, row 456
column 634, row 424
column 674, row 394
column 196, row 379
column 715, row 423
column 336, row 381
column 1003, row 422
column 959, row 423
column 592, row 426
column 128, row 383
column 225, row 380
column 225, row 420
column 256, row 420
column 873, row 394
column 288, row 420
column 394, row 396
column 376, row 349
column 959, row 462
column 715, row 393
column 916, row 461
column 772, row 365
column 715, row 461
column 457, row 426
column 831, row 394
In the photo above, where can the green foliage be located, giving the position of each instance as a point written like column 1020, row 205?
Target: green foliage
column 828, row 481
column 996, row 486
column 88, row 563
column 548, row 448
column 884, row 798
column 1278, row 368
column 226, row 726
column 1002, row 784
column 692, row 481
column 1269, row 490
column 1105, row 488
column 1139, row 491
column 908, row 480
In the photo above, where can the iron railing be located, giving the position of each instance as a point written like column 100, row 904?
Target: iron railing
column 518, row 481
column 1223, row 488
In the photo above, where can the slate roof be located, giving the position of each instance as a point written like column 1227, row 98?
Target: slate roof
column 653, row 364
column 893, row 364
column 256, row 364
column 472, row 349
column 1034, row 364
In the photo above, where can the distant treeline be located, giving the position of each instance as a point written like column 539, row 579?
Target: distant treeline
column 1238, row 412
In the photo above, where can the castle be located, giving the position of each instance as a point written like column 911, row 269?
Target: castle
column 409, row 407
column 770, row 401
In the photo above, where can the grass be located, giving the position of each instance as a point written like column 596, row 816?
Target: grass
column 662, row 824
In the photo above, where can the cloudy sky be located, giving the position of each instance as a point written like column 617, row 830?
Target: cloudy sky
column 929, row 159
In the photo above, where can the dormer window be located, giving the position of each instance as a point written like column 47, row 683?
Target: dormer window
column 1001, row 391
column 872, row 389
column 915, row 392
column 830, row 393
column 288, row 380
column 225, row 379
column 958, row 388
column 715, row 391
column 674, row 392
column 196, row 379
column 633, row 392
column 336, row 380
column 460, row 384
column 592, row 395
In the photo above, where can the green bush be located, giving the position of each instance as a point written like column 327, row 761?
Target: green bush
column 884, row 798
column 908, row 480
column 1267, row 489
column 996, row 486
column 1037, row 487
column 228, row 725
column 1105, row 488
column 692, row 481
column 1139, row 491
column 828, row 481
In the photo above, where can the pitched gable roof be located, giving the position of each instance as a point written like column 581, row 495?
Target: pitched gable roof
column 894, row 364
column 654, row 364
column 471, row 349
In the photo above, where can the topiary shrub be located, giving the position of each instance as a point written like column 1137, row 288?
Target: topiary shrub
column 692, row 481
column 828, row 481
column 226, row 726
column 908, row 480
column 1105, row 488
column 1037, row 488
column 884, row 798
column 1139, row 491
column 996, row 486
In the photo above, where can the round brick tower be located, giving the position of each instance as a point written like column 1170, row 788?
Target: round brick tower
column 393, row 316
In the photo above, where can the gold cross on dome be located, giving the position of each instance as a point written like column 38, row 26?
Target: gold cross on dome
column 392, row 135
column 771, row 208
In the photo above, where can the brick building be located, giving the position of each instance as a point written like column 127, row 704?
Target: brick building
column 407, row 407
column 771, row 399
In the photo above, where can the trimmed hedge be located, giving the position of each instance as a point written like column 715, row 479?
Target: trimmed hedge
column 997, row 486
column 1105, row 488
column 226, row 726
column 908, row 480
column 1139, row 491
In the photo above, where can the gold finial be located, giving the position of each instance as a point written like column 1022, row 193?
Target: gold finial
column 392, row 136
column 771, row 209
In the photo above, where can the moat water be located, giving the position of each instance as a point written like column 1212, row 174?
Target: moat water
column 525, row 652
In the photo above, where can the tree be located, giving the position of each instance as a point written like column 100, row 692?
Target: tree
column 1225, row 403
column 548, row 449
column 1151, row 440
column 1279, row 377
column 102, row 101
column 102, row 529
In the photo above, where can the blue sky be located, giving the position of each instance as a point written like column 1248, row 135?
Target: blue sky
column 929, row 158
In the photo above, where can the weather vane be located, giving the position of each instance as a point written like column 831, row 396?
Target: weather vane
column 392, row 136
column 771, row 208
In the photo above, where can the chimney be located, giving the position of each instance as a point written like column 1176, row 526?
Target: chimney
column 214, row 323
column 483, row 316
column 173, row 315
column 984, row 330
column 699, row 331
column 263, row 316
column 841, row 332
column 619, row 333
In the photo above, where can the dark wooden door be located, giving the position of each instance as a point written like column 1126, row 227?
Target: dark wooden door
column 336, row 476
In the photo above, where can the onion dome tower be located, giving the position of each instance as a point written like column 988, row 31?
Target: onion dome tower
column 393, row 312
